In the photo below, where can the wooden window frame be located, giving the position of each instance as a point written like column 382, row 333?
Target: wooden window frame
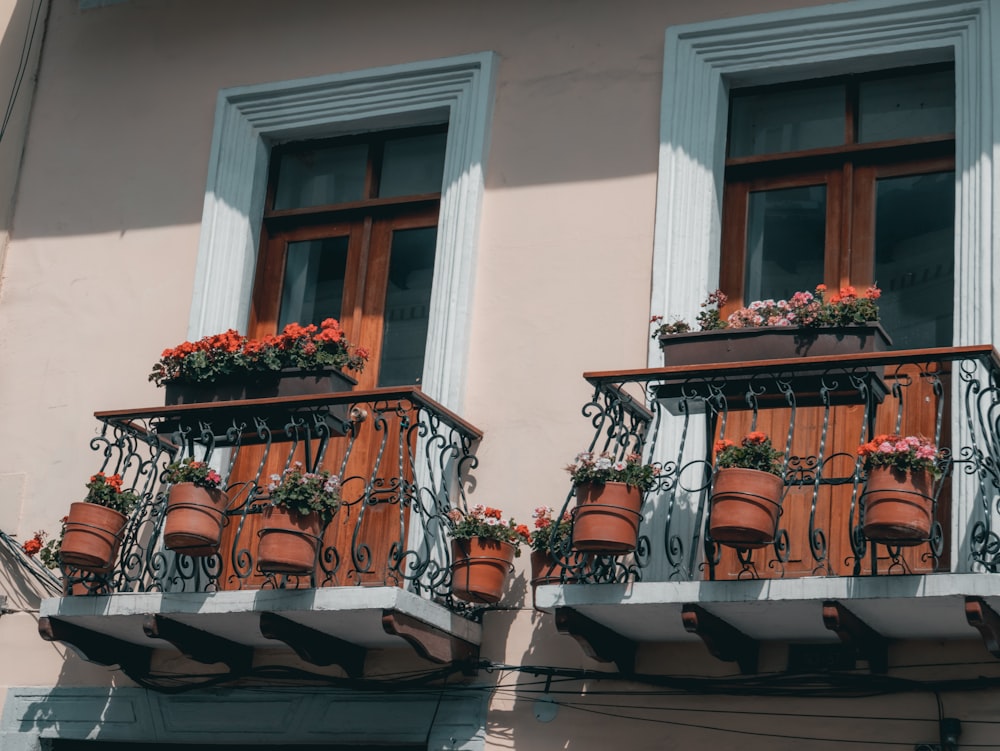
column 849, row 173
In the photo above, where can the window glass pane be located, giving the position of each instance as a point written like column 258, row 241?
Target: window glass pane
column 321, row 176
column 787, row 120
column 412, row 166
column 407, row 306
column 915, row 258
column 906, row 106
column 313, row 288
column 786, row 232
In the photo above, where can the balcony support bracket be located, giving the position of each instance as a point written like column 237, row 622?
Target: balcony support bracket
column 598, row 641
column 430, row 642
column 724, row 642
column 315, row 647
column 199, row 645
column 862, row 638
column 984, row 618
column 96, row 647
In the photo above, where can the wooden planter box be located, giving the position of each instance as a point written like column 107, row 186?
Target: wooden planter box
column 771, row 343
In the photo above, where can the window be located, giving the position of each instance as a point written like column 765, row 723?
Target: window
column 703, row 62
column 846, row 180
column 350, row 230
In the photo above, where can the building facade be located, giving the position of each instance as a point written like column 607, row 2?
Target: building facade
column 494, row 201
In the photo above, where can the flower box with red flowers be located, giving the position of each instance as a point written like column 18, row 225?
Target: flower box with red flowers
column 230, row 366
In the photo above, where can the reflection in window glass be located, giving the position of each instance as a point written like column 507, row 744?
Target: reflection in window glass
column 319, row 177
column 413, row 166
column 787, row 120
column 407, row 306
column 915, row 258
column 313, row 287
column 786, row 231
column 907, row 106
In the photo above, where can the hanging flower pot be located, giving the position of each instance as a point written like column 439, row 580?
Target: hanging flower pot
column 606, row 518
column 289, row 541
column 899, row 507
column 92, row 531
column 479, row 568
column 745, row 507
column 93, row 534
column 303, row 503
column 547, row 569
column 194, row 519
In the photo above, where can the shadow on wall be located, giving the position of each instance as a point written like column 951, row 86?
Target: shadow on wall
column 19, row 50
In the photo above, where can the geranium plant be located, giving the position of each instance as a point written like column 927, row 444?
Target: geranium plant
column 230, row 354
column 488, row 523
column 816, row 309
column 47, row 549
column 107, row 491
column 754, row 451
column 912, row 452
column 591, row 467
column 549, row 535
column 192, row 470
column 305, row 492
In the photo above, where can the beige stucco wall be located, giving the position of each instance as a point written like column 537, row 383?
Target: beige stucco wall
column 98, row 274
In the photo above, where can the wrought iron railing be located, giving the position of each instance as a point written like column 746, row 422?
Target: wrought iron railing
column 403, row 462
column 819, row 411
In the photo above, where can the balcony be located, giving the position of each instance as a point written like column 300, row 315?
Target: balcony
column 381, row 581
column 820, row 581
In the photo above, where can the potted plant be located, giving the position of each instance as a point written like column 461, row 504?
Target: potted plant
column 549, row 546
column 94, row 526
column 746, row 492
column 196, row 508
column 227, row 366
column 815, row 323
column 302, row 504
column 483, row 548
column 897, row 504
column 609, row 493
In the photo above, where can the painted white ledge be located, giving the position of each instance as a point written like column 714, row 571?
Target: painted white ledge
column 898, row 607
column 353, row 614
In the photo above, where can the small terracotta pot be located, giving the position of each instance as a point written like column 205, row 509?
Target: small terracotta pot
column 194, row 519
column 546, row 569
column 898, row 506
column 93, row 534
column 289, row 541
column 745, row 507
column 479, row 568
column 606, row 518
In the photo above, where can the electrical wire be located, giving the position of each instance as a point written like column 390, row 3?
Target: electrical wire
column 34, row 15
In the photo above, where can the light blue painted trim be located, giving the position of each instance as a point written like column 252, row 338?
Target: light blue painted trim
column 448, row 720
column 457, row 90
column 91, row 4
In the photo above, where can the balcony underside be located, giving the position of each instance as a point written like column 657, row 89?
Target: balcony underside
column 732, row 617
column 326, row 626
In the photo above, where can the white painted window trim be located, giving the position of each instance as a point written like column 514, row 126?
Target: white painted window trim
column 702, row 61
column 248, row 119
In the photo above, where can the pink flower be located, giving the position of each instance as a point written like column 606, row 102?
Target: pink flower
column 885, row 448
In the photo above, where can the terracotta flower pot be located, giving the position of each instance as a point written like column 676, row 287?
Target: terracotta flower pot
column 194, row 519
column 546, row 569
column 898, row 506
column 289, row 541
column 93, row 534
column 479, row 568
column 606, row 518
column 745, row 507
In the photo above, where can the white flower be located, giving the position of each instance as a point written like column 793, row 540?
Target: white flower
column 491, row 522
column 603, row 463
column 620, row 466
